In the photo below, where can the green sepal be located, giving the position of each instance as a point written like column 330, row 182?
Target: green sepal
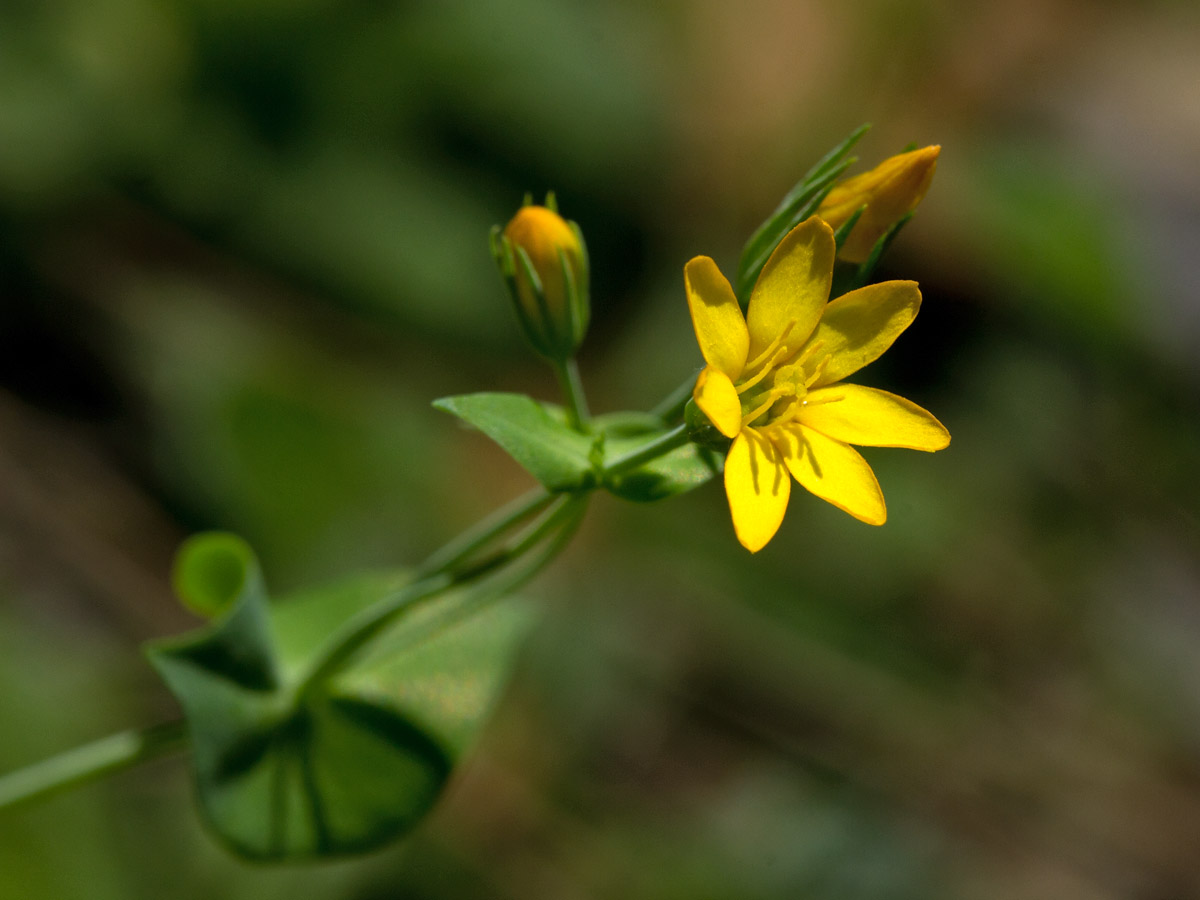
column 534, row 434
column 849, row 277
column 840, row 236
column 797, row 205
column 677, row 472
column 347, row 765
column 834, row 156
column 703, row 433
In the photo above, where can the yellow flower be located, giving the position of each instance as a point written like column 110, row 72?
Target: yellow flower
column 889, row 192
column 773, row 382
column 543, row 260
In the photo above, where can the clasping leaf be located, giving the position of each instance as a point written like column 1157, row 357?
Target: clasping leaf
column 343, row 766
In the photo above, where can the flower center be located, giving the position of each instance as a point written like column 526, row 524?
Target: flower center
column 782, row 396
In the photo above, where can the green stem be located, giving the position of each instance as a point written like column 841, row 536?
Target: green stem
column 572, row 388
column 508, row 581
column 484, row 532
column 364, row 627
column 660, row 446
column 91, row 761
column 361, row 629
column 671, row 406
column 565, row 504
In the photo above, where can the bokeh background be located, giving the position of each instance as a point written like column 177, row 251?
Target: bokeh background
column 243, row 245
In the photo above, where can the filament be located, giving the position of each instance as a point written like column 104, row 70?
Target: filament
column 763, row 372
column 782, row 391
column 818, row 371
column 775, row 345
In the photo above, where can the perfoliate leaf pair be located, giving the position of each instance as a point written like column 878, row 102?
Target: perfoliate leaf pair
column 562, row 459
column 284, row 772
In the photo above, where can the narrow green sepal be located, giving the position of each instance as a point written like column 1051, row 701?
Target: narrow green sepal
column 541, row 325
column 839, row 236
column 543, row 262
column 701, row 431
column 797, row 205
column 786, row 217
column 834, row 156
column 848, row 277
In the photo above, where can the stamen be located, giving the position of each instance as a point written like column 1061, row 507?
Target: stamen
column 809, row 351
column 803, row 353
column 817, row 372
column 775, row 345
column 763, row 373
column 785, row 390
column 821, row 401
column 791, row 413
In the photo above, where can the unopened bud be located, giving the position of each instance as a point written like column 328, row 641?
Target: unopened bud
column 544, row 264
column 888, row 192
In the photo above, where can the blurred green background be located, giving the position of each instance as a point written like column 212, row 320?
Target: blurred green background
column 243, row 246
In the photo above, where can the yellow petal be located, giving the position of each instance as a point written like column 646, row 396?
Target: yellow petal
column 758, row 487
column 718, row 399
column 833, row 471
column 857, row 327
column 792, row 288
column 889, row 191
column 871, row 418
column 716, row 316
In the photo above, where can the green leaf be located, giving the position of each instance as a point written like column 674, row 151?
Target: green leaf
column 210, row 571
column 677, row 472
column 534, row 434
column 797, row 205
column 288, row 774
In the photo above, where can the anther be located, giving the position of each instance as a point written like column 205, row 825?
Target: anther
column 821, row 401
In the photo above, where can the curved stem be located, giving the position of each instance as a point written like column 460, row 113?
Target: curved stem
column 671, row 406
column 362, row 628
column 359, row 630
column 572, row 388
column 509, row 580
column 484, row 532
column 91, row 761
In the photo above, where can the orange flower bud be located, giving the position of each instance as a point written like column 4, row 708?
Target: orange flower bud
column 889, row 192
column 544, row 263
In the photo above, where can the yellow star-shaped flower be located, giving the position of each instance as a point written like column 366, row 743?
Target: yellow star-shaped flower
column 773, row 382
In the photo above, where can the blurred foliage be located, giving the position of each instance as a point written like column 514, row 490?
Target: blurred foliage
column 243, row 246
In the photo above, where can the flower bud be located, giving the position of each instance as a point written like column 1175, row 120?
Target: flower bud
column 888, row 192
column 544, row 264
